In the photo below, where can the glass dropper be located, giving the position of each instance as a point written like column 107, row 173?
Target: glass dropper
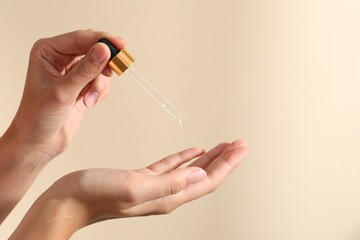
column 153, row 92
column 121, row 61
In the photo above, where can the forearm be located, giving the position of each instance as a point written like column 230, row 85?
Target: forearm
column 19, row 166
column 53, row 216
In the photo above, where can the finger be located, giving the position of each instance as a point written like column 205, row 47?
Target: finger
column 161, row 186
column 175, row 160
column 108, row 72
column 96, row 91
column 217, row 175
column 79, row 42
column 206, row 159
column 86, row 70
column 173, row 182
column 228, row 160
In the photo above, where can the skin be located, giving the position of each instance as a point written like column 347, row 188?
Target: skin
column 66, row 75
column 89, row 196
column 61, row 83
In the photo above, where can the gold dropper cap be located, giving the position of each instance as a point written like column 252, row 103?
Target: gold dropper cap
column 120, row 60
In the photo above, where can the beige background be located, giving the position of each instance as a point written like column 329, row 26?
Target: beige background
column 284, row 75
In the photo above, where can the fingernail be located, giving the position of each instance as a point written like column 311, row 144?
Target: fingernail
column 98, row 54
column 92, row 99
column 196, row 176
column 239, row 143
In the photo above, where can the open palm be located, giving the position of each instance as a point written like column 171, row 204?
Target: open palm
column 157, row 189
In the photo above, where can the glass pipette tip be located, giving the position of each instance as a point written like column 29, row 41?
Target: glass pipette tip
column 121, row 61
column 157, row 96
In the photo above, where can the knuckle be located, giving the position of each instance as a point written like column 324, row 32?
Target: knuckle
column 212, row 187
column 166, row 209
column 38, row 46
column 39, row 43
column 211, row 190
column 130, row 195
column 101, row 85
column 176, row 185
column 78, row 37
column 165, row 162
column 104, row 95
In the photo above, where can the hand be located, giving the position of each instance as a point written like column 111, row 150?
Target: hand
column 85, row 197
column 60, row 84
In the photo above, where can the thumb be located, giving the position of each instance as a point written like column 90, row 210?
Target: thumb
column 173, row 182
column 170, row 183
column 86, row 70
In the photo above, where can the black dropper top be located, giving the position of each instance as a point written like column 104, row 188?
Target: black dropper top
column 114, row 51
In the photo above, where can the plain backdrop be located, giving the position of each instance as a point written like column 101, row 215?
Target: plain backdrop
column 282, row 74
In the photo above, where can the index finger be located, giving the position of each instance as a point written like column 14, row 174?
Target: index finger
column 164, row 202
column 80, row 41
column 216, row 174
column 175, row 160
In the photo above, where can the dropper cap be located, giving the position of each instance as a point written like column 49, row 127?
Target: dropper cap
column 120, row 60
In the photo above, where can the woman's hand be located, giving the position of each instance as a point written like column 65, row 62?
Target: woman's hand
column 66, row 74
column 85, row 197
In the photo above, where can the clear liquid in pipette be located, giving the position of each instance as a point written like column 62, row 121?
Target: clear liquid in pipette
column 158, row 97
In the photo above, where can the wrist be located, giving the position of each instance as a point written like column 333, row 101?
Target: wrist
column 20, row 152
column 18, row 169
column 54, row 215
